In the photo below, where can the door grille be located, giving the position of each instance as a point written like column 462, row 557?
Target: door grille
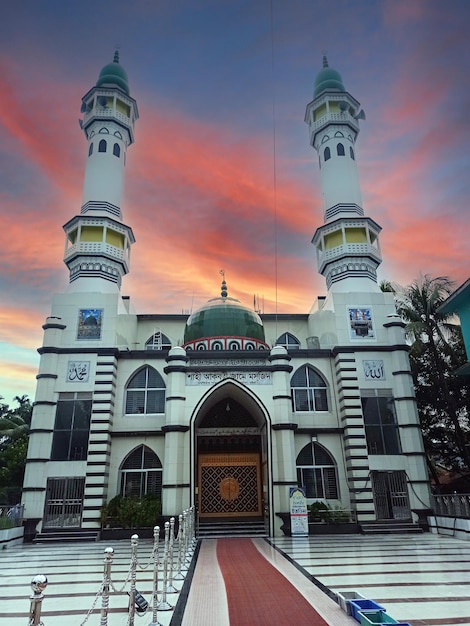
column 229, row 485
column 391, row 495
column 64, row 502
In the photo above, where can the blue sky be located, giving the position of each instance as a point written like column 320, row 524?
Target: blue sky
column 221, row 170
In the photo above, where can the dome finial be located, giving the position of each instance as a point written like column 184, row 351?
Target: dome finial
column 325, row 60
column 116, row 56
column 223, row 291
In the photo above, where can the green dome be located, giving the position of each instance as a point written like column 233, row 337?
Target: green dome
column 327, row 79
column 223, row 317
column 114, row 75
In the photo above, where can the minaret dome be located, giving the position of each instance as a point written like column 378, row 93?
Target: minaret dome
column 327, row 79
column 114, row 75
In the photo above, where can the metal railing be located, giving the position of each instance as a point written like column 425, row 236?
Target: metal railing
column 170, row 562
column 452, row 505
column 11, row 516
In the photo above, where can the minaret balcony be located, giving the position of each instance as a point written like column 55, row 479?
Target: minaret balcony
column 351, row 250
column 106, row 113
column 344, row 118
column 96, row 248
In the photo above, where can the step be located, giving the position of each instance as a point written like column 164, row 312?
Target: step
column 52, row 536
column 231, row 529
column 389, row 528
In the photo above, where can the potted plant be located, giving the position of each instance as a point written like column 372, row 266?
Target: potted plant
column 123, row 514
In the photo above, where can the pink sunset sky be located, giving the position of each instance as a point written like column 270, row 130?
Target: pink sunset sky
column 221, row 174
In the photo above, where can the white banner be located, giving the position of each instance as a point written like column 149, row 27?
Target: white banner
column 298, row 512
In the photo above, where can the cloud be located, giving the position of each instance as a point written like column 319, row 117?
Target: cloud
column 20, row 327
column 39, row 123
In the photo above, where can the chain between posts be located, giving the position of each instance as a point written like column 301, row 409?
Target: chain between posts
column 185, row 541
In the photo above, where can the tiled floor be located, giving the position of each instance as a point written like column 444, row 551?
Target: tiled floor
column 420, row 579
column 424, row 579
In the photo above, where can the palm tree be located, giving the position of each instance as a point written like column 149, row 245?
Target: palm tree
column 433, row 335
column 14, row 423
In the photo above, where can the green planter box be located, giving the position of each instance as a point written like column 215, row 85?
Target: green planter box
column 375, row 617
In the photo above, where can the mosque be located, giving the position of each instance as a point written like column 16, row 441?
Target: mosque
column 226, row 408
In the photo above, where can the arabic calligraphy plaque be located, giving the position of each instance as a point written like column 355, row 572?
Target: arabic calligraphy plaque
column 78, row 371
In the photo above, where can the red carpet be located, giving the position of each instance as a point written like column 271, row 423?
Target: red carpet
column 258, row 594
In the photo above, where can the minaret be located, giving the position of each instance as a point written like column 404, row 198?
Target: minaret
column 347, row 244
column 98, row 243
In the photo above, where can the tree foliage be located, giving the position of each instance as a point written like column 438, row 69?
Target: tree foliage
column 14, row 433
column 437, row 349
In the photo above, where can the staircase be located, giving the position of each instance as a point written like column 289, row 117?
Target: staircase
column 216, row 529
column 62, row 535
column 389, row 527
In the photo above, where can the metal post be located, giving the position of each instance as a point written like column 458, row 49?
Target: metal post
column 193, row 526
column 163, row 605
column 170, row 587
column 156, row 536
column 188, row 543
column 38, row 584
column 180, row 539
column 108, row 559
column 134, row 544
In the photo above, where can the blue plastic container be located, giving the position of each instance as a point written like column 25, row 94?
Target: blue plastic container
column 358, row 605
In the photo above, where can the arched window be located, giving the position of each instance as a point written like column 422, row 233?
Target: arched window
column 309, row 392
column 326, row 154
column 102, row 146
column 288, row 341
column 141, row 473
column 340, row 149
column 145, row 392
column 90, row 149
column 234, row 345
column 351, row 153
column 158, row 341
column 316, row 472
column 116, row 150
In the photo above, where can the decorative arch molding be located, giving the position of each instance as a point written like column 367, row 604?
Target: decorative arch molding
column 317, row 472
column 145, row 392
column 228, row 389
column 310, row 389
column 140, row 472
column 240, row 446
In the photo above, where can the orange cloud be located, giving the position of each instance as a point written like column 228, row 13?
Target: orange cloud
column 39, row 124
column 17, row 379
column 21, row 327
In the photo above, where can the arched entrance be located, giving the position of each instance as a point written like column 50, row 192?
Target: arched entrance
column 231, row 453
